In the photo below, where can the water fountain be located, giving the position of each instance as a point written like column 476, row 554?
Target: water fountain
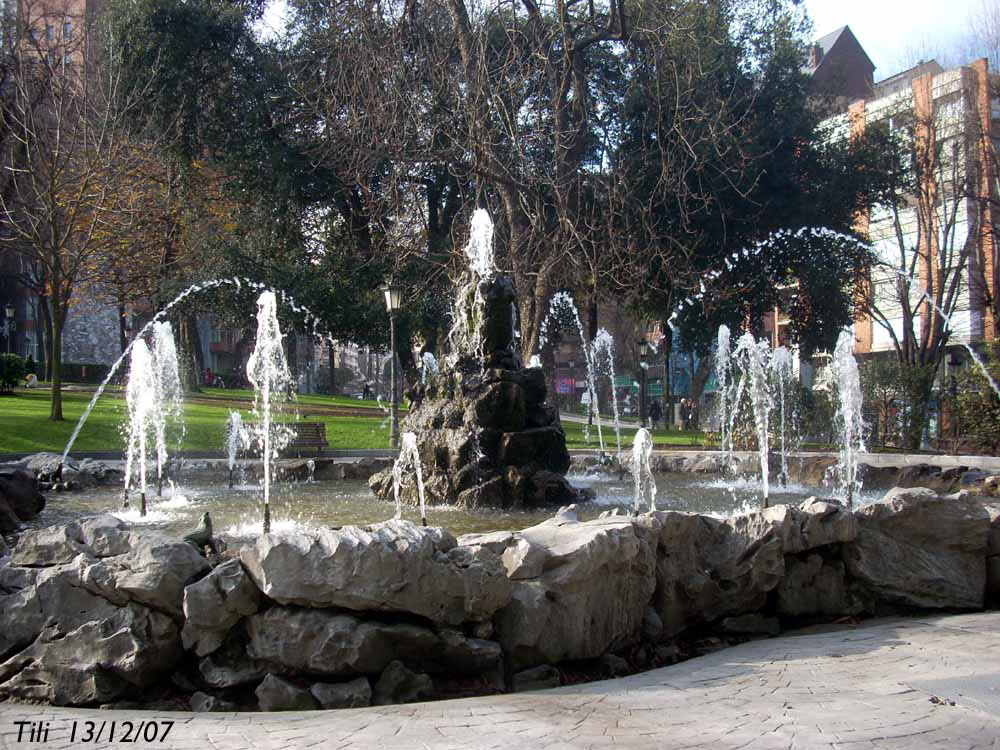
column 484, row 434
column 849, row 420
column 234, row 439
column 783, row 373
column 408, row 460
column 430, row 366
column 604, row 344
column 642, row 452
column 235, row 281
column 753, row 357
column 564, row 301
column 722, row 378
column 268, row 371
column 169, row 399
column 311, row 466
column 140, row 398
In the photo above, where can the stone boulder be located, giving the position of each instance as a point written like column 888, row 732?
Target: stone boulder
column 229, row 667
column 51, row 545
column 993, row 557
column 581, row 589
column 105, row 535
column 47, row 465
column 920, row 550
column 20, row 498
column 354, row 694
column 214, row 604
column 205, row 703
column 294, row 640
column 541, row 677
column 276, row 694
column 814, row 587
column 399, row 685
column 68, row 646
column 87, row 631
column 394, row 566
column 156, row 571
column 707, row 568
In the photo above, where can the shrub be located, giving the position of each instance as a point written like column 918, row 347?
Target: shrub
column 978, row 406
column 12, row 372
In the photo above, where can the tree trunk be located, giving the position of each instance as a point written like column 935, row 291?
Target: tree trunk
column 698, row 379
column 41, row 316
column 332, row 352
column 43, row 306
column 292, row 345
column 122, row 333
column 58, row 319
column 193, row 374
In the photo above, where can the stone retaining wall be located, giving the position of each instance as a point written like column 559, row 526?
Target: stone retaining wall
column 96, row 613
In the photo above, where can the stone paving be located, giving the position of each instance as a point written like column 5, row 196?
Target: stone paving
column 907, row 684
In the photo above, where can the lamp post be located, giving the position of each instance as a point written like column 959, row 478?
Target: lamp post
column 9, row 325
column 393, row 296
column 643, row 349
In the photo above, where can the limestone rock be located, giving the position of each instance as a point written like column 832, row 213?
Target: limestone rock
column 753, row 623
column 20, row 498
column 537, row 678
column 393, row 566
column 814, row 523
column 652, row 625
column 993, row 542
column 814, row 587
column 296, row 640
column 916, row 549
column 354, row 694
column 229, row 667
column 51, row 545
column 45, row 465
column 397, row 684
column 114, row 651
column 613, row 666
column 204, row 703
column 589, row 595
column 105, row 535
column 156, row 570
column 708, row 568
column 216, row 603
column 276, row 694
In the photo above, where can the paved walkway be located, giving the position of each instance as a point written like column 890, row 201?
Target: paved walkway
column 905, row 684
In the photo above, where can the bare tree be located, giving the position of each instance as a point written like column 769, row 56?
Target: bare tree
column 70, row 164
column 927, row 240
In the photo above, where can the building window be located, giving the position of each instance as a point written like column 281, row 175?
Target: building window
column 66, row 60
column 49, row 33
column 67, row 30
column 34, row 34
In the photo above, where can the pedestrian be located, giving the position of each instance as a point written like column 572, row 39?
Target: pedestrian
column 655, row 413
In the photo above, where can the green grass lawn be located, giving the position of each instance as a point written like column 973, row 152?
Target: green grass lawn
column 661, row 438
column 25, row 427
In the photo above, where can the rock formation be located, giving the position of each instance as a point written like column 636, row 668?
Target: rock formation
column 485, row 434
column 94, row 612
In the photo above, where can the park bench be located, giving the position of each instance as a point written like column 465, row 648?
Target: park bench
column 304, row 435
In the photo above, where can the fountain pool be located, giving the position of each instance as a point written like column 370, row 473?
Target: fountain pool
column 236, row 513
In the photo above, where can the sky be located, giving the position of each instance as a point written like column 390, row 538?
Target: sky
column 896, row 33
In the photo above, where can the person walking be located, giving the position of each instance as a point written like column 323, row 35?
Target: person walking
column 655, row 413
